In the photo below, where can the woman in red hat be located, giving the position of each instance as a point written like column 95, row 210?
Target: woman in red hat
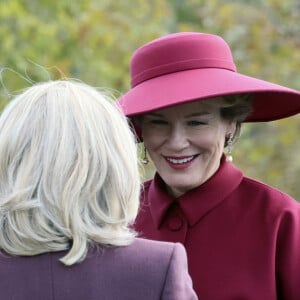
column 187, row 103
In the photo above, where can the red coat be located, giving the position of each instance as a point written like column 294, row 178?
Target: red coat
column 242, row 237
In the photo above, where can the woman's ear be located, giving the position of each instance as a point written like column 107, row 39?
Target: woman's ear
column 231, row 128
column 136, row 127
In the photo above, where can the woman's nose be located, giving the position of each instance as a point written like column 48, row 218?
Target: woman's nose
column 177, row 138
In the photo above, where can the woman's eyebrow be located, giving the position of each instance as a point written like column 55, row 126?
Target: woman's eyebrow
column 195, row 114
column 153, row 115
column 198, row 114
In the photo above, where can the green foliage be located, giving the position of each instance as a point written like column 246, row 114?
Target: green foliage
column 93, row 40
column 90, row 40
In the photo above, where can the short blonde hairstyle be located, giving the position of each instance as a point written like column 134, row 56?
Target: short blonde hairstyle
column 69, row 174
column 236, row 108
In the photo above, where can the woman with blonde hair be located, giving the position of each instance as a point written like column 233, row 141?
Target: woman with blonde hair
column 69, row 191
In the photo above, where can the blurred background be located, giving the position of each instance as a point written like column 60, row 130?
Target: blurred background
column 93, row 40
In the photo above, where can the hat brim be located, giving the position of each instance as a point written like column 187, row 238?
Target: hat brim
column 270, row 101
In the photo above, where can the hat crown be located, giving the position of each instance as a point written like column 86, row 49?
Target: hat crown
column 179, row 52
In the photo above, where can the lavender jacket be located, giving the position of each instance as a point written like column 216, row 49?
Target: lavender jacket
column 144, row 270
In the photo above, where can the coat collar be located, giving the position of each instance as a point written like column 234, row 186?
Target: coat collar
column 196, row 203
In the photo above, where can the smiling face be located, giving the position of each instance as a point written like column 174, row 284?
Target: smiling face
column 186, row 143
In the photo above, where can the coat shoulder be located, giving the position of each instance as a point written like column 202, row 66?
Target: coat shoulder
column 156, row 251
column 274, row 198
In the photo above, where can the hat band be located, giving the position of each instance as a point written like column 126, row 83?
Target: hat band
column 179, row 66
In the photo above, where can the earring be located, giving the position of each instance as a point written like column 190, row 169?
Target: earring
column 145, row 160
column 229, row 147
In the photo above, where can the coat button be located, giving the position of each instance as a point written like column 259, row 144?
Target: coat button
column 175, row 223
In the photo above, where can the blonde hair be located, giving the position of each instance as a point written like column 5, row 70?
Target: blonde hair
column 234, row 108
column 68, row 172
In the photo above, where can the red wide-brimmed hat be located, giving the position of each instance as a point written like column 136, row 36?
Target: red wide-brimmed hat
column 186, row 66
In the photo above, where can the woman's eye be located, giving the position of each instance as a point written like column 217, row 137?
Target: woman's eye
column 158, row 122
column 196, row 123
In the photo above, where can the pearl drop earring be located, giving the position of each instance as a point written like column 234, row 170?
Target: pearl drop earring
column 145, row 160
column 229, row 147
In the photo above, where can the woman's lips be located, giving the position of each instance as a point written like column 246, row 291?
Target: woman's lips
column 180, row 162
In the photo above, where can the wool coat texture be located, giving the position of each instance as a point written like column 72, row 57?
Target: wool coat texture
column 242, row 237
column 145, row 270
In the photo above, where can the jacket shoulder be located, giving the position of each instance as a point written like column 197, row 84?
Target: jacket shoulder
column 157, row 251
column 274, row 198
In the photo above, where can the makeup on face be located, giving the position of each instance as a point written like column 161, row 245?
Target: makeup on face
column 185, row 143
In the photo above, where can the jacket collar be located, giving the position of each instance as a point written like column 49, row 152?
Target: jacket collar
column 196, row 203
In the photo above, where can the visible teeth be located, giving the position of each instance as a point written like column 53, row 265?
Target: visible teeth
column 180, row 161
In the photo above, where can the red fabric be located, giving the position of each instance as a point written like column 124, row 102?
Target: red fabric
column 242, row 237
column 179, row 52
column 188, row 66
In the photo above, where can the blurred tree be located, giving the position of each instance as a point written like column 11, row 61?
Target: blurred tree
column 93, row 40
